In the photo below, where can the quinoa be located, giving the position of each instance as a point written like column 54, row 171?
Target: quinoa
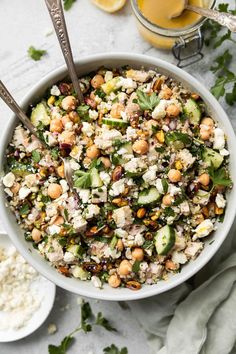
column 150, row 174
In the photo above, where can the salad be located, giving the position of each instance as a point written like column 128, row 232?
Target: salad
column 150, row 174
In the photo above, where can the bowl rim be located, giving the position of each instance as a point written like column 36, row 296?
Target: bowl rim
column 150, row 290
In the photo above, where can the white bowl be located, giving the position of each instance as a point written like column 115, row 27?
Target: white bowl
column 87, row 65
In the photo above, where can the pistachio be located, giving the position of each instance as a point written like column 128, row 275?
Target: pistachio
column 117, row 173
column 141, row 213
column 133, row 285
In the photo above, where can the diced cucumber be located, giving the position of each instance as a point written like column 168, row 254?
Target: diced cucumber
column 164, row 240
column 80, row 273
column 148, row 196
column 192, row 111
column 212, row 157
column 115, row 122
column 20, row 169
column 127, row 147
column 95, row 178
column 111, row 85
column 40, row 115
column 74, row 249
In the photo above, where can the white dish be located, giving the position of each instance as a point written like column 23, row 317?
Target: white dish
column 87, row 65
column 45, row 289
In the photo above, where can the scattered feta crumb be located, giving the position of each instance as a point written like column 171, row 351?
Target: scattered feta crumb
column 8, row 180
column 220, row 201
column 52, row 328
column 204, row 229
column 55, row 91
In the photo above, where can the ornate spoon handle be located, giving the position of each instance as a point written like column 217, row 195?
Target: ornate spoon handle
column 58, row 20
column 222, row 18
column 9, row 100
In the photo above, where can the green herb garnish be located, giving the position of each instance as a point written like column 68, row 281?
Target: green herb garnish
column 82, row 111
column 36, row 54
column 114, row 350
column 219, row 177
column 147, row 102
column 136, row 267
column 102, row 321
column 36, row 157
column 24, row 210
column 68, row 4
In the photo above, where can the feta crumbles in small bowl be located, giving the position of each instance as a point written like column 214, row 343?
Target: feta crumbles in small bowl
column 152, row 174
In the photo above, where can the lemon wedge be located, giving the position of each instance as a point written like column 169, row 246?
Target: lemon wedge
column 109, row 5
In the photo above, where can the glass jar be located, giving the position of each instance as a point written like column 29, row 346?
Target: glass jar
column 186, row 43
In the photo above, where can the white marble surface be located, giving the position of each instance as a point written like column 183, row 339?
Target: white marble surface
column 25, row 23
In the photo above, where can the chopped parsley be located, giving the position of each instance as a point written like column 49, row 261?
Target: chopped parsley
column 36, row 54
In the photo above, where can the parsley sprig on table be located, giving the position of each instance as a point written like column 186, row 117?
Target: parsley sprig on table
column 216, row 35
column 68, row 4
column 87, row 321
column 36, row 54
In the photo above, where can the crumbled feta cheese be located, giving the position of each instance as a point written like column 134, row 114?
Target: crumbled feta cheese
column 84, row 195
column 20, row 136
column 93, row 114
column 220, row 201
column 96, row 282
column 91, row 211
column 64, row 185
column 150, row 175
column 123, row 216
column 204, row 229
column 186, row 158
column 108, row 76
column 179, row 257
column 99, row 195
column 139, row 239
column 8, row 180
column 131, row 133
column 106, row 136
column 173, row 190
column 135, row 164
column 160, row 110
column 55, row 91
column 224, row 152
column 68, row 257
column 24, row 192
column 54, row 251
column 113, row 253
column 106, row 179
column 87, row 129
column 52, row 328
column 159, row 186
column 117, row 188
column 126, row 83
column 54, row 229
column 184, row 208
column 79, row 223
column 193, row 248
column 76, row 152
column 8, row 191
column 219, row 139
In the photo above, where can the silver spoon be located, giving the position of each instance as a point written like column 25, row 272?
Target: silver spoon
column 56, row 12
column 222, row 18
column 12, row 104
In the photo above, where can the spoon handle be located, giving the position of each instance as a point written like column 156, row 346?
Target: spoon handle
column 58, row 20
column 222, row 18
column 11, row 103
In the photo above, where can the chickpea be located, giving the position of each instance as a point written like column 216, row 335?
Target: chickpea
column 205, row 134
column 167, row 200
column 74, row 117
column 208, row 121
column 92, row 152
column 60, row 171
column 125, row 267
column 97, row 81
column 59, row 220
column 36, row 235
column 166, row 93
column 172, row 110
column 67, row 137
column 114, row 281
column 174, row 175
column 56, row 125
column 65, row 119
column 137, row 254
column 106, row 162
column 204, row 179
column 116, row 110
column 120, row 245
column 15, row 188
column 69, row 103
column 54, row 190
column 170, row 265
column 140, row 147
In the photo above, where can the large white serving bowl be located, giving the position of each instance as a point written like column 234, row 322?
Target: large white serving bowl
column 16, row 234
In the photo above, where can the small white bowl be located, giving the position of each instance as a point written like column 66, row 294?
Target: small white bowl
column 85, row 66
column 45, row 290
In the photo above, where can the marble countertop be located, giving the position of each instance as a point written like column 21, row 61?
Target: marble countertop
column 26, row 23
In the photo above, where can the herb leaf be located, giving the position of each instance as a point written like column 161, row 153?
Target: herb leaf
column 114, row 350
column 86, row 314
column 147, row 102
column 68, row 4
column 36, row 54
column 83, row 181
column 219, row 177
column 82, row 111
column 102, row 321
column 24, row 210
column 36, row 157
column 62, row 348
column 136, row 266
